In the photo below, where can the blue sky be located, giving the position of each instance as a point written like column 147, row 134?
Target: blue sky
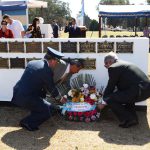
column 90, row 7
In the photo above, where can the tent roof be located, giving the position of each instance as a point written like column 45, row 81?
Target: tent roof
column 36, row 4
column 21, row 4
column 124, row 10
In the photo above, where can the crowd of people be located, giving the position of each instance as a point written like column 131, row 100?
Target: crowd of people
column 11, row 28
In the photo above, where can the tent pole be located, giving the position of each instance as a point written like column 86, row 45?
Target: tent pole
column 100, row 26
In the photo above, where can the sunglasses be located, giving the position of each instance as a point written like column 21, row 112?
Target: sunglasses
column 4, row 24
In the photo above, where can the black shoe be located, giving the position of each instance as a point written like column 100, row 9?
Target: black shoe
column 128, row 123
column 26, row 126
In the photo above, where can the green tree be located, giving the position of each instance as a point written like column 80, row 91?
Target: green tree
column 94, row 25
column 87, row 21
column 57, row 10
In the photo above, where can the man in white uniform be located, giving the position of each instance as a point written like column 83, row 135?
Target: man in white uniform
column 15, row 26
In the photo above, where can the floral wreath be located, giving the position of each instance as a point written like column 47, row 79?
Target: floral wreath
column 81, row 101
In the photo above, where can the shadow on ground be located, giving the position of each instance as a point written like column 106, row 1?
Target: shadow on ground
column 107, row 126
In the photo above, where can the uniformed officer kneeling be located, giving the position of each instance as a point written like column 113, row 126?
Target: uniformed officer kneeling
column 28, row 92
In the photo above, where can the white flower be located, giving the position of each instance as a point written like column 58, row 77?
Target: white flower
column 82, row 88
column 85, row 86
column 65, row 96
column 70, row 93
column 82, row 99
column 93, row 96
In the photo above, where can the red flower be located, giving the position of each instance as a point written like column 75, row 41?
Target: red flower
column 75, row 113
column 80, row 114
column 87, row 114
column 69, row 113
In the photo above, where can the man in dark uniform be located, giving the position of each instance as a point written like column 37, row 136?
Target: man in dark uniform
column 132, row 86
column 29, row 92
column 55, row 29
column 73, row 29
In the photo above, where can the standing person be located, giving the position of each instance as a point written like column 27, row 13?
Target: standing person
column 73, row 29
column 34, row 30
column 55, row 29
column 4, row 31
column 15, row 25
column 29, row 91
column 132, row 86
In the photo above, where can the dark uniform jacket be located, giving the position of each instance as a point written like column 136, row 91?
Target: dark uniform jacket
column 124, row 76
column 55, row 30
column 73, row 33
column 36, row 79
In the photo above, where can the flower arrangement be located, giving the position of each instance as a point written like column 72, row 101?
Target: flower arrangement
column 81, row 104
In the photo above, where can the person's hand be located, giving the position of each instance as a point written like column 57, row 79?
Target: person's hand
column 32, row 28
column 101, row 106
column 63, row 100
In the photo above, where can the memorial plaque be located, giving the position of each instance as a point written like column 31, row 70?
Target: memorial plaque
column 4, row 63
column 54, row 45
column 89, row 64
column 33, row 47
column 17, row 63
column 124, row 47
column 16, row 47
column 105, row 47
column 69, row 47
column 3, row 47
column 87, row 47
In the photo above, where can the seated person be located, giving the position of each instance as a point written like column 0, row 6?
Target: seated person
column 4, row 31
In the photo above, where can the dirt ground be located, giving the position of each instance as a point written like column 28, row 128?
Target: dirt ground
column 59, row 134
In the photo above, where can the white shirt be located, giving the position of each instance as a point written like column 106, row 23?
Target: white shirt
column 16, row 27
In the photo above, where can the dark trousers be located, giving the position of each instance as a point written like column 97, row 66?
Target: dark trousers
column 122, row 103
column 41, row 110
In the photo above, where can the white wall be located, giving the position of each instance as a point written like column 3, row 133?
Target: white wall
column 9, row 77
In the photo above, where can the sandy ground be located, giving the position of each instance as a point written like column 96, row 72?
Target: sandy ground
column 60, row 134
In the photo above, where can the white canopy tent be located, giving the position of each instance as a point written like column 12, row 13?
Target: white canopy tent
column 36, row 4
column 21, row 4
column 123, row 11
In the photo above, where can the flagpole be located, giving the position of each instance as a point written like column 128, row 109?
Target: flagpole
column 82, row 11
